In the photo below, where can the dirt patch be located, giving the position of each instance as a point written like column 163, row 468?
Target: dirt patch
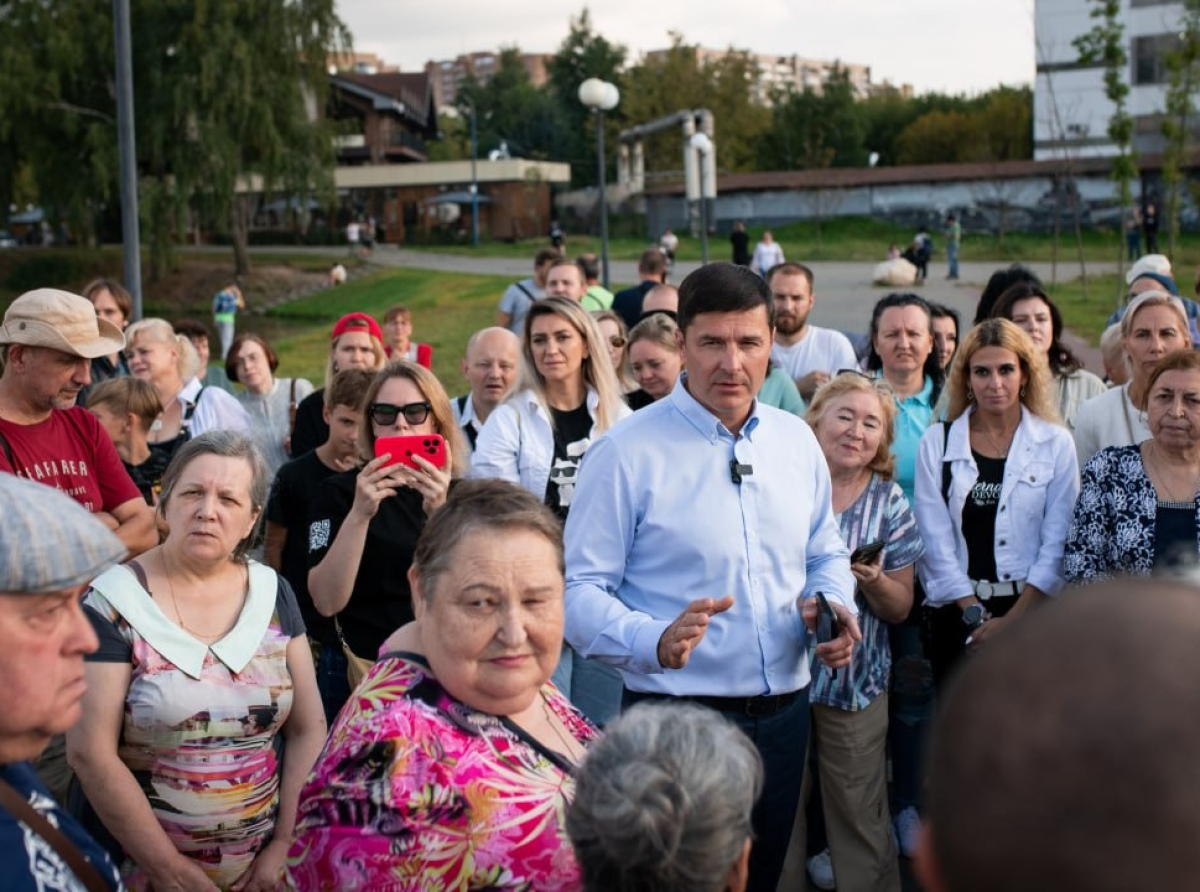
column 189, row 290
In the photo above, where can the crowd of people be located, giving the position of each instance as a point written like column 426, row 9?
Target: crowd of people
column 666, row 600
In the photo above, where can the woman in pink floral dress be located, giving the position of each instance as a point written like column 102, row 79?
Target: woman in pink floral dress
column 451, row 766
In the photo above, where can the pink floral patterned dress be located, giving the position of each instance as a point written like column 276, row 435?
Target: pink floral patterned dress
column 416, row 791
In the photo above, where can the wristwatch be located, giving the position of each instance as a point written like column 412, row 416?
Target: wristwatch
column 975, row 616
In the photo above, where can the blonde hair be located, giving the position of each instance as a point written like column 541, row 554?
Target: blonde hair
column 624, row 374
column 883, row 463
column 657, row 329
column 599, row 374
column 125, row 395
column 1038, row 396
column 432, row 390
column 161, row 331
column 381, row 359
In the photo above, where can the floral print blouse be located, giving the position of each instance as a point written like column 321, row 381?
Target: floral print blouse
column 416, row 792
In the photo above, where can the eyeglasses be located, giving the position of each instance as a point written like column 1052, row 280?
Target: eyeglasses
column 617, row 341
column 878, row 383
column 385, row 414
column 858, row 372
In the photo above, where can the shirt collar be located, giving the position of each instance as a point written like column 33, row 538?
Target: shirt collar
column 702, row 418
column 922, row 397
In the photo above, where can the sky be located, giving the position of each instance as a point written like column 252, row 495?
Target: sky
column 954, row 46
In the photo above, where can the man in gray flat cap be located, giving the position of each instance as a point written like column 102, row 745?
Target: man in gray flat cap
column 50, row 548
column 48, row 340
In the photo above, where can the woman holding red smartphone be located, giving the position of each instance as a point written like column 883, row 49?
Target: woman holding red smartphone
column 365, row 523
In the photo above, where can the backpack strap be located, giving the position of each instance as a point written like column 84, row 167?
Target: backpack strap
column 16, row 805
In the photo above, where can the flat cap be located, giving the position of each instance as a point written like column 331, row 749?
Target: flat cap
column 48, row 541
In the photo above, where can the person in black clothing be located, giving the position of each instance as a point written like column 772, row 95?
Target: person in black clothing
column 652, row 268
column 356, row 343
column 114, row 303
column 364, row 523
column 292, row 494
column 741, row 244
column 1150, row 227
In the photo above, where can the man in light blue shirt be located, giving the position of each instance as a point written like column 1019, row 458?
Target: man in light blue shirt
column 700, row 526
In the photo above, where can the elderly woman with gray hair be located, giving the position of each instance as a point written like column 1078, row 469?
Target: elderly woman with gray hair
column 663, row 803
column 203, row 672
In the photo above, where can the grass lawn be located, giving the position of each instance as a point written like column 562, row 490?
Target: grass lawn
column 848, row 238
column 447, row 309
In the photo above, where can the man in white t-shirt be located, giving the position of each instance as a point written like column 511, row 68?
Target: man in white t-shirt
column 808, row 353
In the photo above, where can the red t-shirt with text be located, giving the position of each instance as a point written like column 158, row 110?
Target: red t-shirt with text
column 71, row 452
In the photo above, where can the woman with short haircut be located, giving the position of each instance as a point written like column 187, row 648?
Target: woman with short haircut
column 271, row 402
column 902, row 355
column 114, row 303
column 126, row 408
column 1139, row 505
column 356, row 343
column 996, row 483
column 201, row 717
column 364, row 523
column 663, row 803
column 455, row 761
column 853, row 416
column 654, row 358
column 169, row 362
column 1028, row 305
column 1154, row 325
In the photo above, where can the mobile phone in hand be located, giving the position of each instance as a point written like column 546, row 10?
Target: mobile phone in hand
column 430, row 447
column 828, row 626
column 867, row 553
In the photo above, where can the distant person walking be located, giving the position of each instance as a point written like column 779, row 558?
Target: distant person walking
column 953, row 239
column 354, row 237
column 558, row 238
column 767, row 254
column 741, row 244
column 226, row 304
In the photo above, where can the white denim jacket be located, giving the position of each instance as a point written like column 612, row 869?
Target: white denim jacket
column 517, row 442
column 1037, row 498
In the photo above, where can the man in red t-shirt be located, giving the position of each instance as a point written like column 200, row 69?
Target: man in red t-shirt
column 48, row 340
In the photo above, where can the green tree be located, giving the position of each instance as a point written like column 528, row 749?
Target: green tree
column 936, row 137
column 584, row 54
column 512, row 110
column 1105, row 43
column 222, row 92
column 811, row 129
column 1183, row 67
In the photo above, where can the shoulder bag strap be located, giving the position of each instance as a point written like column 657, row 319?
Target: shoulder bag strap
column 945, row 463
column 7, row 451
column 14, row 803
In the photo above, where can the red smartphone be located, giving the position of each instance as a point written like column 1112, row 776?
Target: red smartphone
column 430, row 447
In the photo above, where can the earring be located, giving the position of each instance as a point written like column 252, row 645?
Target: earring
column 970, row 395
column 1022, row 392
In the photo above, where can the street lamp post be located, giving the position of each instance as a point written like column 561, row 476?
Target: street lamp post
column 600, row 96
column 474, row 177
column 703, row 146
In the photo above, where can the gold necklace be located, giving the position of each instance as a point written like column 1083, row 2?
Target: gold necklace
column 570, row 745
column 162, row 555
column 1003, row 453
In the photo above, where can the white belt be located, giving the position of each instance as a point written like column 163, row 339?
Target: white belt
column 985, row 590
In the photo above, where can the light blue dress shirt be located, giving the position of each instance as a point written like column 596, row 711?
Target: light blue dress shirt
column 658, row 521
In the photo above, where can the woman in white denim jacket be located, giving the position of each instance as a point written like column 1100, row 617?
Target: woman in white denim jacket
column 994, row 535
column 568, row 396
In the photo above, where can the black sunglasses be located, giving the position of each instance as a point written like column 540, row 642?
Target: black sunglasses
column 385, row 414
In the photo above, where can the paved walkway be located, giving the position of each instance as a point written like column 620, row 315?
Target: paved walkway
column 845, row 295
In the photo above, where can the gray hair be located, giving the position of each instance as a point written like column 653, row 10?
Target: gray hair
column 663, row 801
column 225, row 444
column 1155, row 299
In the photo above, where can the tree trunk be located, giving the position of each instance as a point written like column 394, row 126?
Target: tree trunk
column 240, row 229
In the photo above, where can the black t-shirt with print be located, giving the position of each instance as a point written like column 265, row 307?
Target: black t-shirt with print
column 571, row 431
column 979, row 518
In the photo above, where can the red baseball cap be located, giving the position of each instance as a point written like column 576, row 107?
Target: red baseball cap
column 357, row 322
